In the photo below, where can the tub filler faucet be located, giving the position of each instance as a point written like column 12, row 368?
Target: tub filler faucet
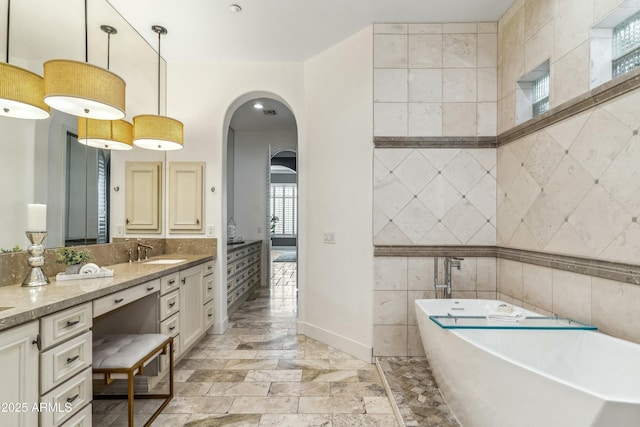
column 449, row 263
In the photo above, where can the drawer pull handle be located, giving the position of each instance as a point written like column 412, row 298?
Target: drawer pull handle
column 150, row 288
column 71, row 323
column 72, row 359
column 73, row 398
column 172, row 281
column 210, row 314
column 119, row 300
column 209, row 288
column 171, row 304
column 210, row 267
column 171, row 328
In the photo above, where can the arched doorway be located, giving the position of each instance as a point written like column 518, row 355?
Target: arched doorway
column 259, row 127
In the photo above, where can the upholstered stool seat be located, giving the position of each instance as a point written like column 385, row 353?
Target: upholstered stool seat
column 128, row 354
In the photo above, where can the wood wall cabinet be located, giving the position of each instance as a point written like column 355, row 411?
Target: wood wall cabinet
column 19, row 373
column 143, row 197
column 186, row 212
column 244, row 272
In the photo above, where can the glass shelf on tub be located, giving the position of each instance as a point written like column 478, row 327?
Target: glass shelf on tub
column 532, row 322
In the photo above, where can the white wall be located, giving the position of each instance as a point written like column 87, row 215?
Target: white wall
column 204, row 96
column 251, row 162
column 335, row 160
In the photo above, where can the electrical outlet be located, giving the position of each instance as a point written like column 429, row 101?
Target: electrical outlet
column 120, row 230
column 259, row 230
column 211, row 230
column 329, row 237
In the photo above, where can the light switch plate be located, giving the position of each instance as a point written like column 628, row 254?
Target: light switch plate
column 329, row 237
column 211, row 230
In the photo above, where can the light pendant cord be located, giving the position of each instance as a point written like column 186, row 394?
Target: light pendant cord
column 8, row 22
column 159, row 42
column 86, row 33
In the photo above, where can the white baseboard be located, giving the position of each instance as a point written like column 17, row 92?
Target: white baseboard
column 356, row 349
column 219, row 328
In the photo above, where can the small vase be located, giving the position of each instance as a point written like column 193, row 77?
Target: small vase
column 73, row 269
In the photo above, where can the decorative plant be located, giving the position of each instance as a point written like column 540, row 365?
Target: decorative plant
column 274, row 220
column 72, row 256
column 16, row 248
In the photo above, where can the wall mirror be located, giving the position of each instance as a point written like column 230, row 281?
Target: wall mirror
column 39, row 161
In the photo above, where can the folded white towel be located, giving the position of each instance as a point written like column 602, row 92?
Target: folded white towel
column 89, row 268
column 505, row 313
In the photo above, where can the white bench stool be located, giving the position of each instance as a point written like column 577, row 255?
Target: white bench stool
column 128, row 354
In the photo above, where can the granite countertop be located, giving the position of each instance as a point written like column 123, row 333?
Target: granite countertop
column 235, row 246
column 22, row 304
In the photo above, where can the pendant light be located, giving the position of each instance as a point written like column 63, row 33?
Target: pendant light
column 21, row 91
column 157, row 132
column 82, row 89
column 106, row 134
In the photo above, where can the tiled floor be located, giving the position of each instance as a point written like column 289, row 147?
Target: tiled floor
column 260, row 372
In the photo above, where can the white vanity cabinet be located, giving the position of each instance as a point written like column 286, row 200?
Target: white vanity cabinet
column 208, row 292
column 244, row 272
column 65, row 364
column 143, row 198
column 19, row 373
column 191, row 305
column 186, row 209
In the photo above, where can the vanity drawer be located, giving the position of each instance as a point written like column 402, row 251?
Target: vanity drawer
column 231, row 297
column 208, row 267
column 231, row 269
column 64, row 361
column 120, row 299
column 171, row 326
column 208, row 288
column 169, row 283
column 208, row 315
column 169, row 304
column 240, row 264
column 65, row 324
column 66, row 400
column 231, row 283
column 83, row 418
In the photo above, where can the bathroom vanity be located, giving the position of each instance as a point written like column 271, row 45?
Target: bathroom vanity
column 46, row 332
column 244, row 272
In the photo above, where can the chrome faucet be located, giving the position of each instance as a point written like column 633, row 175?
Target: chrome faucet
column 142, row 248
column 449, row 263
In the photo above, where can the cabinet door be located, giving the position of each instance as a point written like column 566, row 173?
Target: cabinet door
column 143, row 197
column 191, row 305
column 185, row 197
column 19, row 373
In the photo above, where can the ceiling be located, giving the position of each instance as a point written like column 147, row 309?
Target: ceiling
column 282, row 30
column 278, row 117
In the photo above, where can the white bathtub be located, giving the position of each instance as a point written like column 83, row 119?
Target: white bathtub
column 521, row 378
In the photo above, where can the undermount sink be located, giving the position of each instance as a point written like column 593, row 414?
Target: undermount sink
column 164, row 261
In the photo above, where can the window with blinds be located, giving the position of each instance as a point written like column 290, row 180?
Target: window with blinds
column 541, row 94
column 284, row 209
column 626, row 45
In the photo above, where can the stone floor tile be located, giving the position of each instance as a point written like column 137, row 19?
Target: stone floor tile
column 377, row 405
column 303, row 364
column 296, row 420
column 330, row 375
column 249, row 364
column 198, row 405
column 331, row 405
column 217, row 375
column 272, row 375
column 367, row 420
column 264, row 405
column 245, row 388
column 223, row 420
column 357, row 389
column 298, row 389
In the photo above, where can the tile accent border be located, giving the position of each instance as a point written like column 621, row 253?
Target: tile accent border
column 599, row 95
column 628, row 273
column 435, row 142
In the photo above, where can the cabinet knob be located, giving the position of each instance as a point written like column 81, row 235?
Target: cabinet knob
column 197, row 221
column 172, row 281
column 171, row 304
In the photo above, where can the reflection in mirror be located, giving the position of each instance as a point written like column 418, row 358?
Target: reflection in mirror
column 33, row 161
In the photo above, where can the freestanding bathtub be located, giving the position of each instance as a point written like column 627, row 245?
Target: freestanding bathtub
column 522, row 378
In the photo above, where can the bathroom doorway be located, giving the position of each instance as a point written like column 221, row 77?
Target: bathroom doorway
column 283, row 218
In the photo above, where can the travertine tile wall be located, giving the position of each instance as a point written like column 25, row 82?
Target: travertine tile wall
column 401, row 280
column 431, row 80
column 434, row 196
column 533, row 31
column 435, row 79
column 572, row 187
column 610, row 305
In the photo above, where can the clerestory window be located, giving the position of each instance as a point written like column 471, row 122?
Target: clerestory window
column 626, row 45
column 541, row 94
